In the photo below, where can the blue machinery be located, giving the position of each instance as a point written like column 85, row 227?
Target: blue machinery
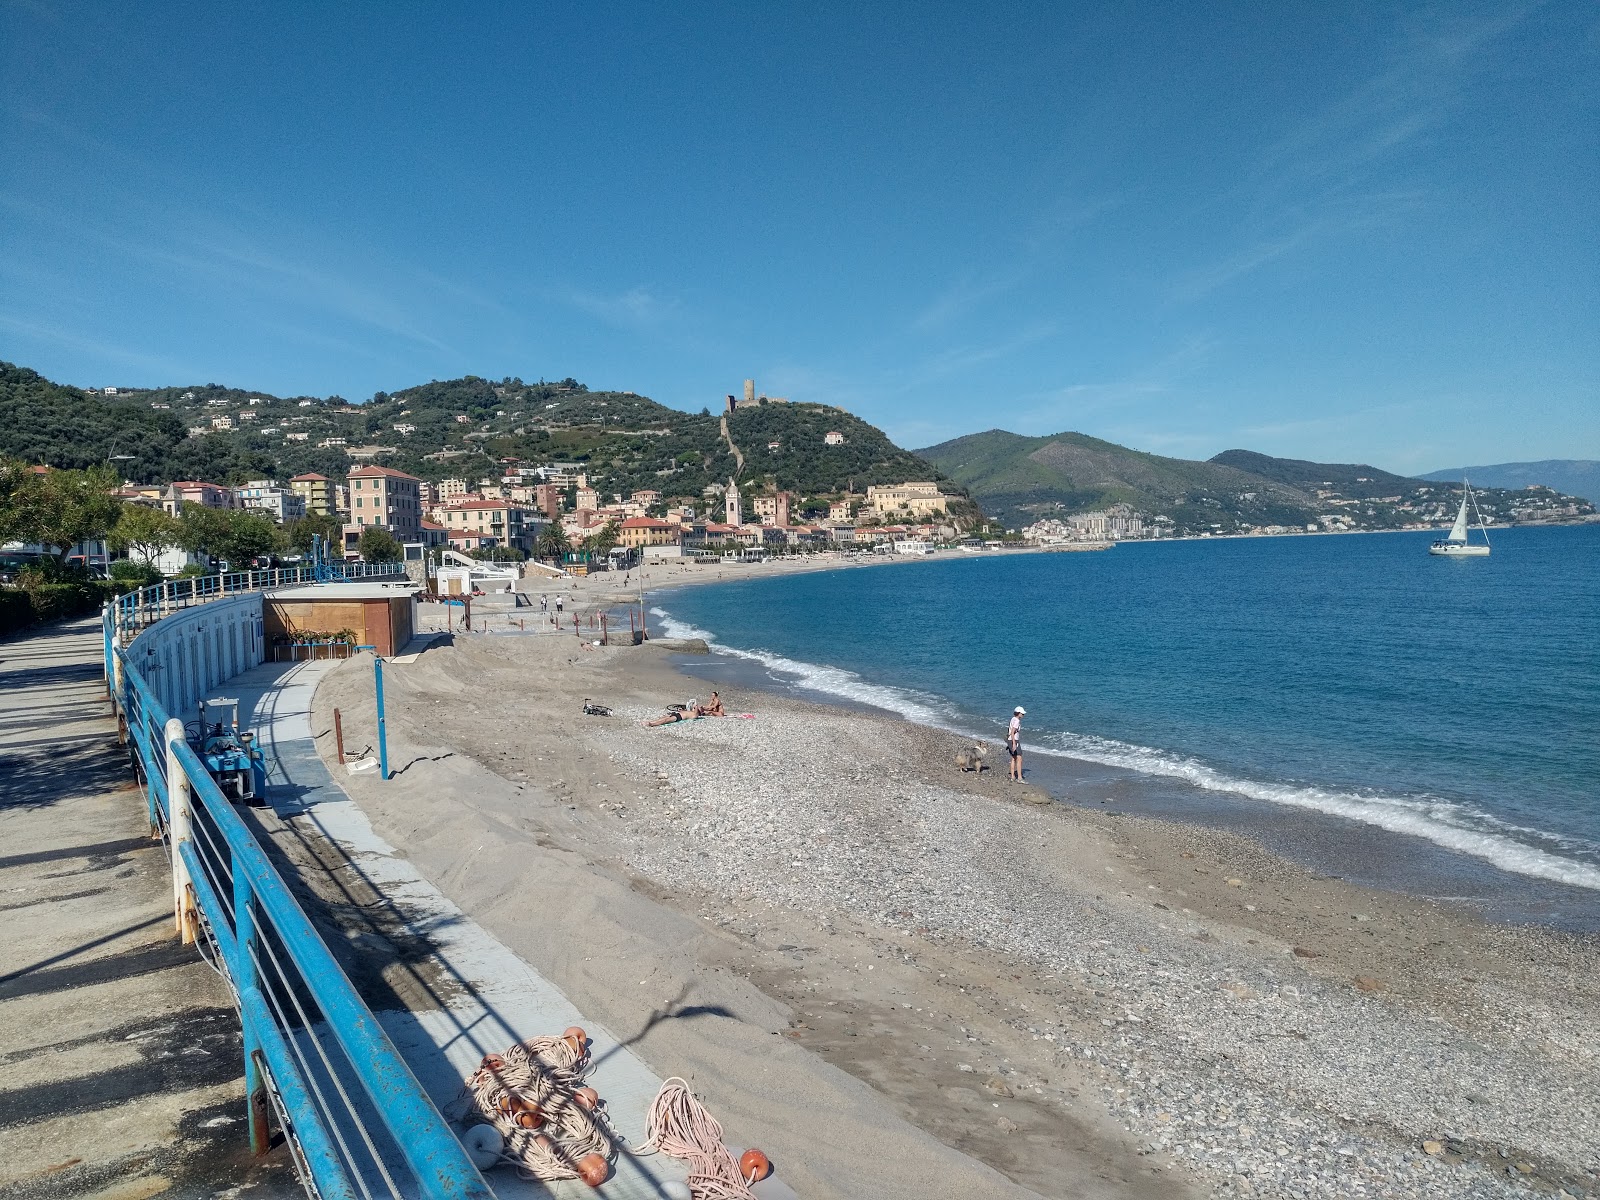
column 317, row 1063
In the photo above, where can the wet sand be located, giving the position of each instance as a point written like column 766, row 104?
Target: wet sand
column 958, row 978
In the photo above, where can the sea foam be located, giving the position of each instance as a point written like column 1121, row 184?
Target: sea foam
column 1453, row 825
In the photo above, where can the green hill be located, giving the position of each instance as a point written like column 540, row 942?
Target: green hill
column 470, row 428
column 1022, row 479
column 1349, row 479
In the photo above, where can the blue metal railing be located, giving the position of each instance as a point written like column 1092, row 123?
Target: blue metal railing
column 357, row 1121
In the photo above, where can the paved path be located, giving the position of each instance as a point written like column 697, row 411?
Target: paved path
column 120, row 1059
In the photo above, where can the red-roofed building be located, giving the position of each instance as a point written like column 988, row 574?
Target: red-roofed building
column 189, row 491
column 388, row 498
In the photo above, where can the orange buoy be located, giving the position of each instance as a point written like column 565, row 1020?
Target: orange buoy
column 754, row 1165
column 586, row 1097
column 492, row 1062
column 503, row 1102
column 575, row 1037
column 523, row 1111
column 592, row 1169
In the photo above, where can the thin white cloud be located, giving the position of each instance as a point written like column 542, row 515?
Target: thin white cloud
column 1331, row 175
column 638, row 307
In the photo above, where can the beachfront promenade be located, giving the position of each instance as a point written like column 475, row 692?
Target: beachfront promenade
column 120, row 1048
column 121, row 1065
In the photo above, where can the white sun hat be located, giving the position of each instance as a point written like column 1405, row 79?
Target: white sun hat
column 1020, row 711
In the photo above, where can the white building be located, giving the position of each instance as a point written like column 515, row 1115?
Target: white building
column 734, row 504
column 282, row 504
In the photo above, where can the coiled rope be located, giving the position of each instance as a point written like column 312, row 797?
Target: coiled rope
column 679, row 1125
column 534, row 1095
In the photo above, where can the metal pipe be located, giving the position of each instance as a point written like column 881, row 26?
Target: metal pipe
column 383, row 731
column 178, row 800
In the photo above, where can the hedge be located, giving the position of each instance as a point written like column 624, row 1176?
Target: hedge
column 20, row 608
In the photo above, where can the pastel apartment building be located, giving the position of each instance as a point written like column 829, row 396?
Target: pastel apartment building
column 189, row 491
column 639, row 532
column 280, row 503
column 487, row 522
column 389, row 498
column 319, row 493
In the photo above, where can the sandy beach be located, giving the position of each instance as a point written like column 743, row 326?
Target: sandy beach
column 907, row 980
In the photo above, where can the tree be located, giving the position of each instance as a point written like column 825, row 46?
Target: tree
column 143, row 532
column 18, row 497
column 237, row 535
column 250, row 535
column 610, row 534
column 379, row 545
column 553, row 541
column 303, row 530
column 62, row 508
column 202, row 530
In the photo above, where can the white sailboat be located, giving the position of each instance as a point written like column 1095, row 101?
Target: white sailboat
column 1455, row 544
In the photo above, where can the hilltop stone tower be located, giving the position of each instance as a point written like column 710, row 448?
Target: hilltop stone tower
column 749, row 391
column 735, row 506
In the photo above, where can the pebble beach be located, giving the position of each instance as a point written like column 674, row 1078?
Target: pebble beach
column 1087, row 1003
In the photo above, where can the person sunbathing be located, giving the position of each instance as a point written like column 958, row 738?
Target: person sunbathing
column 711, row 708
column 677, row 712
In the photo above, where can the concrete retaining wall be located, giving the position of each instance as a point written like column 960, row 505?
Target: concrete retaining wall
column 183, row 656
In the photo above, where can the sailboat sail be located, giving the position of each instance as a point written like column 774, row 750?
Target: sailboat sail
column 1458, row 531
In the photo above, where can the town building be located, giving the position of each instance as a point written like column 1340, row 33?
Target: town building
column 281, row 503
column 317, row 491
column 733, row 506
column 502, row 522
column 771, row 509
column 638, row 532
column 833, row 438
column 917, row 499
column 188, row 491
column 389, row 498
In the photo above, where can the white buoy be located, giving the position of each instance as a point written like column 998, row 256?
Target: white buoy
column 484, row 1145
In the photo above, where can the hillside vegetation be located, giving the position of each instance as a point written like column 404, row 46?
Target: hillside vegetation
column 1021, row 480
column 469, row 428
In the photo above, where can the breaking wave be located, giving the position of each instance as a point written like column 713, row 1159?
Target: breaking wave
column 1450, row 824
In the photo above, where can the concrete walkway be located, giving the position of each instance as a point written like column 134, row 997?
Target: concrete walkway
column 120, row 1057
column 446, row 991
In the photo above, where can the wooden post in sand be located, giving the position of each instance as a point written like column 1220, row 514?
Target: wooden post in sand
column 605, row 638
column 338, row 735
column 577, row 627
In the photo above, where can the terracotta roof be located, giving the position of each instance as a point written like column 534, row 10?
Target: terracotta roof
column 381, row 472
column 479, row 504
column 310, row 476
column 191, row 483
column 647, row 523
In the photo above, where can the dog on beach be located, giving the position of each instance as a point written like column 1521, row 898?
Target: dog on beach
column 971, row 759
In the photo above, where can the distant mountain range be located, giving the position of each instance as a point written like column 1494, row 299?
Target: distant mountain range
column 1022, row 480
column 1574, row 476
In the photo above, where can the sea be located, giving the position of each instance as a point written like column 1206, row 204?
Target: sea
column 1355, row 703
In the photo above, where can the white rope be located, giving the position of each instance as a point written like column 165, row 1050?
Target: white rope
column 680, row 1126
column 535, row 1097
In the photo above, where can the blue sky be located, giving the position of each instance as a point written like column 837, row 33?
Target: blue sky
column 1342, row 232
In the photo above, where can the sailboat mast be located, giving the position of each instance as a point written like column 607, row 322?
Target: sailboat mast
column 1482, row 528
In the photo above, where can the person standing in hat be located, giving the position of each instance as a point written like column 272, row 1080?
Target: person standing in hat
column 1014, row 742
